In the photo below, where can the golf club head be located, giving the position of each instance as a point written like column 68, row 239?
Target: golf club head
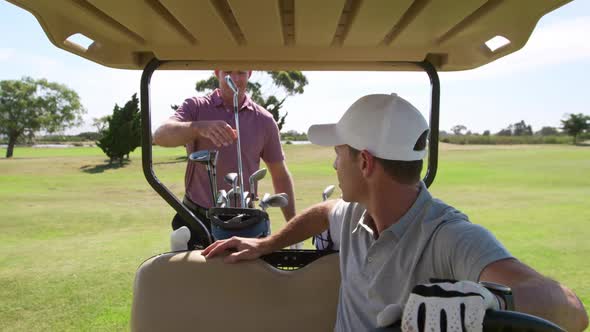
column 229, row 197
column 204, row 157
column 231, row 178
column 257, row 176
column 231, row 84
column 234, row 196
column 265, row 197
column 262, row 205
column 328, row 192
column 276, row 200
column 254, row 178
column 201, row 156
column 221, row 198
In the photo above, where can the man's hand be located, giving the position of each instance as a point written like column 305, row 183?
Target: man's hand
column 461, row 304
column 217, row 131
column 241, row 249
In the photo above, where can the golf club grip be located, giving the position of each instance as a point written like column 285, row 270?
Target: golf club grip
column 500, row 321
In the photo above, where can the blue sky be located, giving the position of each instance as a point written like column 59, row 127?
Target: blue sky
column 538, row 84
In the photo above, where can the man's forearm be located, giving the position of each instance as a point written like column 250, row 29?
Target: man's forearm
column 284, row 184
column 175, row 133
column 311, row 221
column 558, row 303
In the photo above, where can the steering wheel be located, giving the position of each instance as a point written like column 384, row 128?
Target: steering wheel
column 504, row 321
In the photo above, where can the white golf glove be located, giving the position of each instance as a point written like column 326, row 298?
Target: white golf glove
column 464, row 303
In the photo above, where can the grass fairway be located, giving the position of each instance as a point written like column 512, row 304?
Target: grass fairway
column 73, row 231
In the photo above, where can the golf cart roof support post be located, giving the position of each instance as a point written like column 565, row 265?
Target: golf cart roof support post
column 434, row 121
column 146, row 155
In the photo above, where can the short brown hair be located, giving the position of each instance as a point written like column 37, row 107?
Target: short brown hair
column 404, row 172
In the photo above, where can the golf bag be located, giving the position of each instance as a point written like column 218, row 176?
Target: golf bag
column 242, row 222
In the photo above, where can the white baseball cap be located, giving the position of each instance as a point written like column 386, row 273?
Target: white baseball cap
column 387, row 126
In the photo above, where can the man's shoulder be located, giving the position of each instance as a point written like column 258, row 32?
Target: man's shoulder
column 347, row 210
column 438, row 217
column 455, row 224
column 196, row 103
column 265, row 115
column 442, row 210
column 201, row 100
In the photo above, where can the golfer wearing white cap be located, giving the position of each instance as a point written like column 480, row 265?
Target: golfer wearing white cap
column 396, row 237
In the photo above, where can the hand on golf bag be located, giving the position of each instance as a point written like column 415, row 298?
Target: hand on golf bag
column 460, row 305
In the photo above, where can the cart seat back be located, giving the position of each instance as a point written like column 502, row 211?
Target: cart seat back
column 185, row 292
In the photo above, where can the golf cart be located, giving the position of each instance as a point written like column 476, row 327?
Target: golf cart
column 290, row 289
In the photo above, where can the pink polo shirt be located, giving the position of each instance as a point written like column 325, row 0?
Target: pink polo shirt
column 259, row 138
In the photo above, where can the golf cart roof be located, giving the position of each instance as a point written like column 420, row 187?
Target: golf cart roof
column 290, row 34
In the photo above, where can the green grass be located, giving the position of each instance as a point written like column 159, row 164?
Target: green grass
column 73, row 230
column 496, row 139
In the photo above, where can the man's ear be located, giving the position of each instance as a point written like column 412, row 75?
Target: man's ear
column 249, row 73
column 367, row 163
column 216, row 72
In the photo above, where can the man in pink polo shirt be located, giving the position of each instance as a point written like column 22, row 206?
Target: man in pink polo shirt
column 208, row 123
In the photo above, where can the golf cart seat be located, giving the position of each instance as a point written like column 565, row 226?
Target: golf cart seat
column 183, row 291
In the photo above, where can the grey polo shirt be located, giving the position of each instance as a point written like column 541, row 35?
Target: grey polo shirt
column 432, row 240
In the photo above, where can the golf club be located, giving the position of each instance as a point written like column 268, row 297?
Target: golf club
column 221, row 198
column 234, row 88
column 231, row 179
column 246, row 199
column 213, row 154
column 276, row 200
column 204, row 157
column 328, row 192
column 233, row 196
column 254, row 178
column 323, row 240
column 230, row 195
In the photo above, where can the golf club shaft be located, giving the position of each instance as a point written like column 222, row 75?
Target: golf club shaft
column 240, row 177
column 214, row 177
column 213, row 189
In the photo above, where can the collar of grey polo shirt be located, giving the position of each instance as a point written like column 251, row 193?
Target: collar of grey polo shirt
column 218, row 101
column 398, row 229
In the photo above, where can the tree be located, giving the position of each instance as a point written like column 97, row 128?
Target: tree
column 547, row 131
column 101, row 123
column 517, row 129
column 521, row 129
column 575, row 125
column 28, row 106
column 458, row 129
column 290, row 82
column 122, row 133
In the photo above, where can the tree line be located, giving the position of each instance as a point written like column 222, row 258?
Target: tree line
column 573, row 125
column 30, row 106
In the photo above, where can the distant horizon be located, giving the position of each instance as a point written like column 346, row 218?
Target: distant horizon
column 285, row 131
